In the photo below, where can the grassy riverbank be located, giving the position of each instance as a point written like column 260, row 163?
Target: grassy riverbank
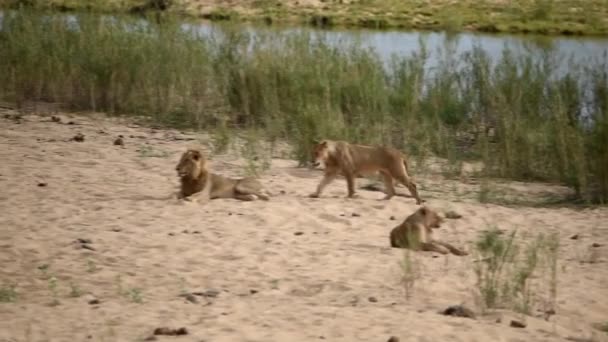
column 570, row 17
column 518, row 115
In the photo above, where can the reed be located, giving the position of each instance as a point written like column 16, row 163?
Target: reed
column 520, row 115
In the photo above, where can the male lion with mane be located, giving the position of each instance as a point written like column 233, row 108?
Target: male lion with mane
column 352, row 160
column 416, row 233
column 197, row 183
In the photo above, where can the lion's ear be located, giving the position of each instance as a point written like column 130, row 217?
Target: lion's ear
column 324, row 143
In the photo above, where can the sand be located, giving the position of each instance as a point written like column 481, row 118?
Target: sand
column 291, row 269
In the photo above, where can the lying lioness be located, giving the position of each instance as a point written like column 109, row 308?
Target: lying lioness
column 351, row 160
column 416, row 233
column 198, row 184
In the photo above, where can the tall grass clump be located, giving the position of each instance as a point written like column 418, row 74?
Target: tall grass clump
column 514, row 275
column 521, row 115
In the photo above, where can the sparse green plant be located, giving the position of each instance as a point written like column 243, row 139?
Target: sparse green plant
column 135, row 295
column 410, row 272
column 147, row 151
column 8, row 293
column 220, row 139
column 506, row 270
column 257, row 160
column 53, row 289
column 75, row 291
column 91, row 267
column 182, row 286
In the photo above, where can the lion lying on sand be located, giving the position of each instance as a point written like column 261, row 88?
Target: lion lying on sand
column 416, row 233
column 198, row 184
column 351, row 160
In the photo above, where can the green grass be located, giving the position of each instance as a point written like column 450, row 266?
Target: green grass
column 580, row 17
column 8, row 293
column 291, row 87
column 514, row 275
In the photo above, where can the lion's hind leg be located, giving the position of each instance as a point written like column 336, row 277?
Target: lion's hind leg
column 411, row 186
column 389, row 186
column 251, row 188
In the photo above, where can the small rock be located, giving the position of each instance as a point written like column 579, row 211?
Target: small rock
column 392, row 218
column 393, row 339
column 498, row 320
column 119, row 141
column 298, row 233
column 86, row 246
column 94, row 301
column 151, row 338
column 459, row 311
column 170, row 331
column 574, row 237
column 55, row 118
column 42, row 184
column 548, row 314
column 356, row 214
column 84, row 240
column 191, row 298
column 373, row 299
column 116, row 230
column 452, row 215
column 196, row 232
column 171, row 234
column 208, row 293
column 212, row 293
column 78, row 137
column 595, row 245
column 282, row 192
column 185, row 231
column 252, row 291
column 71, row 123
column 517, row 324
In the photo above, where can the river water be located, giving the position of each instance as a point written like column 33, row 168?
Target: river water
column 591, row 51
column 440, row 45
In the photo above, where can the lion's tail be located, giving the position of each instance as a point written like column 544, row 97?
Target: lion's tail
column 407, row 168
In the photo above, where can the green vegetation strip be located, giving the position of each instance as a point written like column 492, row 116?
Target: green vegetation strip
column 568, row 17
column 518, row 115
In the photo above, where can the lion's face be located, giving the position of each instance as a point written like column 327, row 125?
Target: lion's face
column 431, row 218
column 320, row 153
column 191, row 164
